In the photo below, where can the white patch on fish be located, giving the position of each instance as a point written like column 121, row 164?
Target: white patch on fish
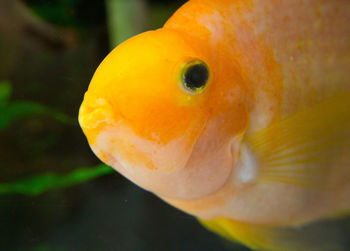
column 214, row 22
column 109, row 141
column 247, row 167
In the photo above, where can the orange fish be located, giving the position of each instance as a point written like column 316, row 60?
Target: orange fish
column 237, row 112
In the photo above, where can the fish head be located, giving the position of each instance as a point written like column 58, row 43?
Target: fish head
column 157, row 111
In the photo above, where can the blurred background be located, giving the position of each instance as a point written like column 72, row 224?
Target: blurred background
column 54, row 193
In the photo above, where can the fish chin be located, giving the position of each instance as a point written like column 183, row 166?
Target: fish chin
column 153, row 166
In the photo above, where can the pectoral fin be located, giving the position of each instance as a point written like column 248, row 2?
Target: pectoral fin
column 308, row 147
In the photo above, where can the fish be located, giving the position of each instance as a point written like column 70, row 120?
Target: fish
column 236, row 112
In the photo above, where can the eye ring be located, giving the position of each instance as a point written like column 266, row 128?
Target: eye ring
column 194, row 77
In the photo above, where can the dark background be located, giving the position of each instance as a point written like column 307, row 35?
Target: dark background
column 49, row 51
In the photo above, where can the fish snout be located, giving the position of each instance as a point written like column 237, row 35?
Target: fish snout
column 155, row 166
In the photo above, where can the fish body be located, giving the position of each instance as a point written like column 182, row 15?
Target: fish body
column 237, row 112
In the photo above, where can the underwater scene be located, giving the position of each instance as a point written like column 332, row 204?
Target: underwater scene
column 54, row 193
column 174, row 125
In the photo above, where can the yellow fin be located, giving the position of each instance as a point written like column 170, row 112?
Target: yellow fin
column 306, row 148
column 330, row 235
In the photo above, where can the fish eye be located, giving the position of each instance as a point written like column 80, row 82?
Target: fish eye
column 195, row 76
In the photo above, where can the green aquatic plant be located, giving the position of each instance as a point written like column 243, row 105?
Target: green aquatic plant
column 14, row 110
column 38, row 184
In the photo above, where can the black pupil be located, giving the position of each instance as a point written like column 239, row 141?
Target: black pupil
column 196, row 76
